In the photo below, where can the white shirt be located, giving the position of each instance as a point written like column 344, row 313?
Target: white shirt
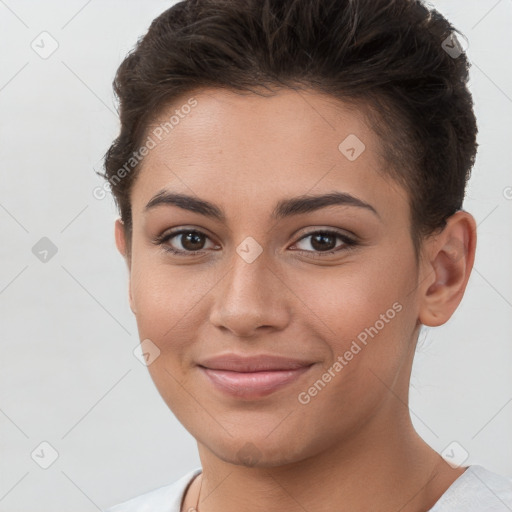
column 476, row 490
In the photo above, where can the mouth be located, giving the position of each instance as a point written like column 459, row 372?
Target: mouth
column 252, row 377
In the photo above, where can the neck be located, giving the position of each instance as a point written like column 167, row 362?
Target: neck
column 386, row 469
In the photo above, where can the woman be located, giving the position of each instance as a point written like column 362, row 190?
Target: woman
column 290, row 177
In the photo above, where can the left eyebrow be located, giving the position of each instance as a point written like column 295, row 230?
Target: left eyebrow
column 284, row 208
column 306, row 204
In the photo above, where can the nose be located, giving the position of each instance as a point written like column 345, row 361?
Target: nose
column 251, row 298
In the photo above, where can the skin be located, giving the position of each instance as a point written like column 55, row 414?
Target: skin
column 353, row 446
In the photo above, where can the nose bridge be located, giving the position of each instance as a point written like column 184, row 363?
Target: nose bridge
column 248, row 296
column 248, row 274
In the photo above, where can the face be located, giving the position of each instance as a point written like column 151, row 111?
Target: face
column 248, row 264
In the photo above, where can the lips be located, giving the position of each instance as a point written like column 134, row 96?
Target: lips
column 252, row 377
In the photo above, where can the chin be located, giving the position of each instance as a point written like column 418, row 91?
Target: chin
column 258, row 452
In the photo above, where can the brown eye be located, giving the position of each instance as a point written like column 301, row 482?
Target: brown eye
column 192, row 241
column 184, row 242
column 325, row 241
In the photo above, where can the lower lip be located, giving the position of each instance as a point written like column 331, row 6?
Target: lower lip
column 252, row 384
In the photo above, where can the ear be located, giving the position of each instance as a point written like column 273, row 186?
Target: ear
column 447, row 261
column 121, row 244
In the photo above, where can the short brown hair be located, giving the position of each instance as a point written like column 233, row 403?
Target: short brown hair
column 388, row 55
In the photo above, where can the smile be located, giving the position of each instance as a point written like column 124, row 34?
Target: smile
column 252, row 384
column 254, row 377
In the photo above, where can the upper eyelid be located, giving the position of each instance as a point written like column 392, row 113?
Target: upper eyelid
column 333, row 231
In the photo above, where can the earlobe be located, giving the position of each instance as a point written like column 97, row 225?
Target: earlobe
column 132, row 306
column 122, row 242
column 120, row 237
column 450, row 260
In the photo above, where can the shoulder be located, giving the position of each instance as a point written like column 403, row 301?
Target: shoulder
column 163, row 499
column 477, row 490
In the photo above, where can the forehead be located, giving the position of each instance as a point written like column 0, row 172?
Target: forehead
column 304, row 123
column 243, row 148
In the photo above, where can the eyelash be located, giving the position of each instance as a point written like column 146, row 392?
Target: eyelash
column 348, row 243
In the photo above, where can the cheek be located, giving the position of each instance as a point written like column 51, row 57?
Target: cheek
column 348, row 300
column 365, row 315
column 168, row 301
column 166, row 297
column 368, row 344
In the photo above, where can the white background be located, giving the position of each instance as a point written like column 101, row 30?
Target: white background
column 67, row 372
